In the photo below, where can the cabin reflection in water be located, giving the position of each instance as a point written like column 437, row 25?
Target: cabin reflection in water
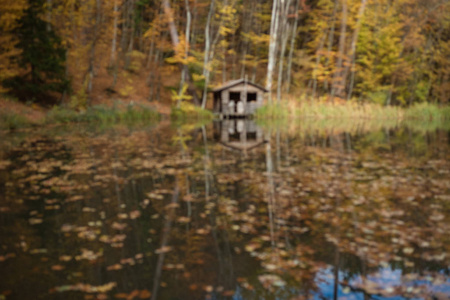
column 239, row 134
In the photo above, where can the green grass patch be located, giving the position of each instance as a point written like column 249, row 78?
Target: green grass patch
column 102, row 114
column 12, row 121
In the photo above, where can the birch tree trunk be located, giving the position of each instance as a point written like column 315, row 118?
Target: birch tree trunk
column 272, row 46
column 207, row 53
column 187, row 35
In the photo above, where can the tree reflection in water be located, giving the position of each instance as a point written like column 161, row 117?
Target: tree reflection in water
column 225, row 210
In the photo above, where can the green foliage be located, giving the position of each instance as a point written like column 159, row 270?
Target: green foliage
column 189, row 112
column 379, row 96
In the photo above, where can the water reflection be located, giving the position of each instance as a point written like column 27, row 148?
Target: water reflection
column 239, row 134
column 181, row 213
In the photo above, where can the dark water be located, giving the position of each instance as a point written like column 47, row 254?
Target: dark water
column 225, row 211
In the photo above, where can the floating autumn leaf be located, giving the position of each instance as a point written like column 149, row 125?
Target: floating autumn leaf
column 163, row 249
column 7, row 256
column 114, row 267
column 123, row 216
column 202, row 231
column 436, row 217
column 144, row 294
column 155, row 196
column 252, row 246
column 119, row 226
column 87, row 288
column 35, row 221
column 172, row 206
column 408, row 250
column 269, row 280
column 188, row 198
column 57, row 267
column 228, row 293
column 183, row 219
column 65, row 258
column 4, row 164
column 135, row 214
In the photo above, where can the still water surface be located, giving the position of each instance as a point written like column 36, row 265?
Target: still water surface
column 226, row 210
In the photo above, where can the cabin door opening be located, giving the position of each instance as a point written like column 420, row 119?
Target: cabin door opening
column 235, row 98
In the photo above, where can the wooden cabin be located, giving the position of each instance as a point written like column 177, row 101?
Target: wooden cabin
column 238, row 98
column 238, row 134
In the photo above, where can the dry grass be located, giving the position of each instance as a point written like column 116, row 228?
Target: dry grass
column 326, row 110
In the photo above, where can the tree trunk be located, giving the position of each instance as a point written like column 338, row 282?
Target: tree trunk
column 338, row 82
column 314, row 72
column 114, row 39
column 186, row 52
column 353, row 49
column 92, row 50
column 49, row 15
column 131, row 42
column 291, row 49
column 330, row 42
column 272, row 46
column 207, row 50
column 283, row 36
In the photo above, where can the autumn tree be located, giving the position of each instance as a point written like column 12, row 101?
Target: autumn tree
column 42, row 58
column 10, row 12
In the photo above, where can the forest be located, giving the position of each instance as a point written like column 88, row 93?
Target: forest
column 84, row 52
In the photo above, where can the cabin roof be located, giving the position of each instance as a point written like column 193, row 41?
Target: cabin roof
column 232, row 83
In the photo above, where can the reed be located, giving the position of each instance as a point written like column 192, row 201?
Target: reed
column 353, row 110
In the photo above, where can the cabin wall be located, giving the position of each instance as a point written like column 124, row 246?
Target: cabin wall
column 225, row 96
column 244, row 89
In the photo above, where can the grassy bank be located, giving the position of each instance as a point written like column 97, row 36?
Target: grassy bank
column 13, row 120
column 103, row 114
column 100, row 114
column 351, row 110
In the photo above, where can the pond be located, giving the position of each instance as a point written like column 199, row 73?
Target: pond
column 226, row 210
